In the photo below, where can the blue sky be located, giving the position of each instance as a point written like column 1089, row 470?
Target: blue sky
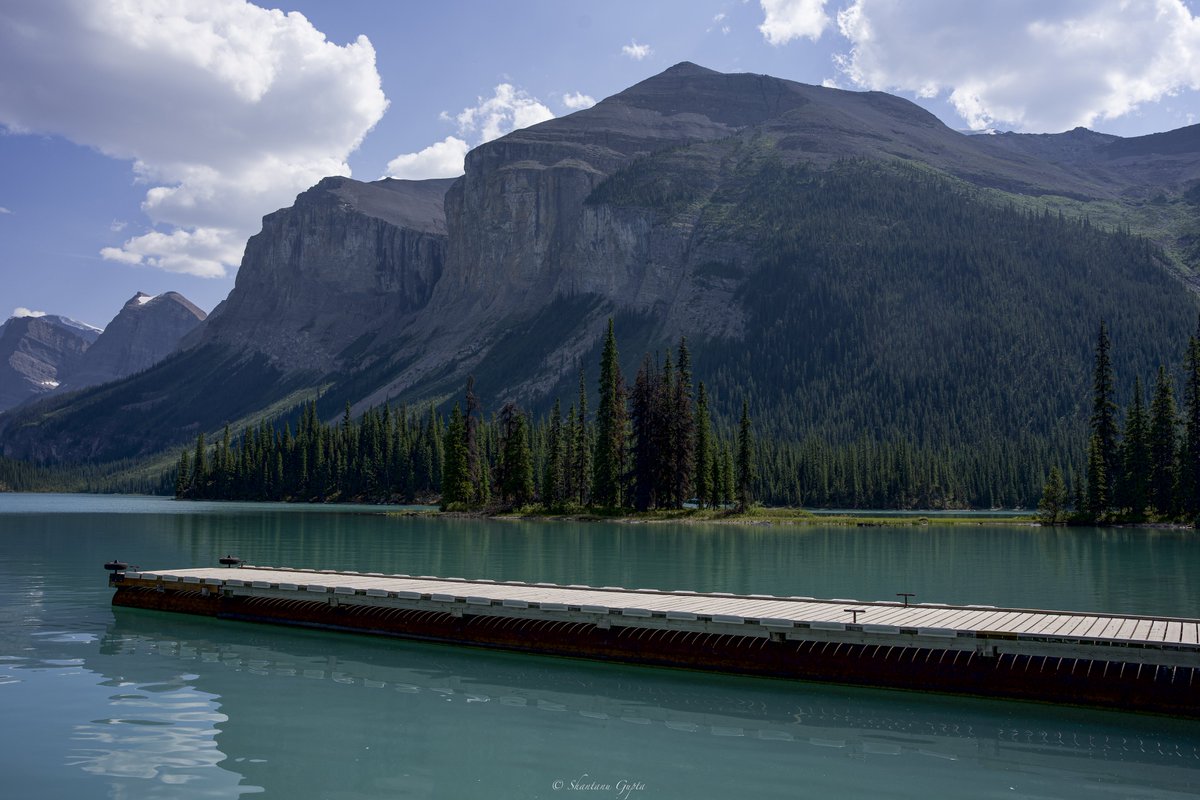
column 142, row 142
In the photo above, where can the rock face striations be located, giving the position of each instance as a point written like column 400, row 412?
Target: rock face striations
column 340, row 267
column 143, row 333
column 38, row 353
column 786, row 226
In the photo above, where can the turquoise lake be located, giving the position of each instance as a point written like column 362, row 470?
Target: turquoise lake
column 121, row 703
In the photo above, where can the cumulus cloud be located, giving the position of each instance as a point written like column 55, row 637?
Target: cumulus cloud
column 21, row 311
column 201, row 251
column 1025, row 64
column 578, row 100
column 785, row 20
column 636, row 51
column 226, row 110
column 508, row 109
column 442, row 159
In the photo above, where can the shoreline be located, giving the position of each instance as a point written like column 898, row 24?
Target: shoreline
column 771, row 518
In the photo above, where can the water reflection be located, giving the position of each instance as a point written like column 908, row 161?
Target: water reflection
column 377, row 703
column 138, row 704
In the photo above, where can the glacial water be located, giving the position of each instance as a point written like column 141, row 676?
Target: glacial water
column 99, row 702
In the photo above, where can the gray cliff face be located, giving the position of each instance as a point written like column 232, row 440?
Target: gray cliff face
column 521, row 224
column 143, row 333
column 344, row 265
column 37, row 354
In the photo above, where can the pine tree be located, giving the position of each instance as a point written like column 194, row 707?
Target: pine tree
column 1096, row 500
column 514, row 477
column 552, row 473
column 1054, row 498
column 200, row 467
column 570, row 490
column 608, row 465
column 643, row 420
column 745, row 460
column 728, row 490
column 456, row 486
column 683, row 428
column 1133, row 487
column 1189, row 461
column 703, row 454
column 183, row 475
column 471, row 421
column 1104, row 421
column 1160, row 489
column 583, row 448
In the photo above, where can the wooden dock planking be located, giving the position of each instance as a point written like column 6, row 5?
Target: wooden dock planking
column 633, row 607
column 1017, row 652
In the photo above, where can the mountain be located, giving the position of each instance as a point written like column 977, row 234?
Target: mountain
column 860, row 270
column 36, row 353
column 145, row 330
column 343, row 263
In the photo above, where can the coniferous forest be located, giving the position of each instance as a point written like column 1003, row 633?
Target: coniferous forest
column 652, row 444
column 648, row 446
column 1142, row 465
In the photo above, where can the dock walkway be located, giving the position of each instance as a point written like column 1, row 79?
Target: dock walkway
column 878, row 643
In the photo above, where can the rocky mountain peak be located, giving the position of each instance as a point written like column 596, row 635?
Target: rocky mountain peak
column 38, row 353
column 144, row 332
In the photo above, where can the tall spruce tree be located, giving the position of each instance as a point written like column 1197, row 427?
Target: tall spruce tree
column 514, row 468
column 608, row 466
column 583, row 448
column 683, row 424
column 1104, row 421
column 183, row 475
column 643, row 423
column 200, row 466
column 1133, row 488
column 1189, row 459
column 1053, row 505
column 471, row 421
column 1096, row 501
column 570, row 490
column 728, row 489
column 745, row 460
column 456, row 483
column 552, row 472
column 703, row 448
column 1161, row 484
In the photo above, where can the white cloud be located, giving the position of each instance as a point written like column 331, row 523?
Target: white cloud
column 118, row 225
column 578, row 100
column 785, row 20
column 442, row 159
column 508, row 109
column 202, row 251
column 636, row 51
column 226, row 110
column 4, row 210
column 1025, row 64
column 21, row 311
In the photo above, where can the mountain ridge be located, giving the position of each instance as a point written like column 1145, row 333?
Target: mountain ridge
column 647, row 207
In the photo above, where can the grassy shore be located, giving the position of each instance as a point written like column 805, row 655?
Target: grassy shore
column 756, row 515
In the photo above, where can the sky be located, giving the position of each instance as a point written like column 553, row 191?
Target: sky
column 142, row 141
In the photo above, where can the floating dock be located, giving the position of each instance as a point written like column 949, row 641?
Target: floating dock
column 1105, row 660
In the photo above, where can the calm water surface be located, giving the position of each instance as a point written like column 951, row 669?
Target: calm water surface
column 122, row 703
